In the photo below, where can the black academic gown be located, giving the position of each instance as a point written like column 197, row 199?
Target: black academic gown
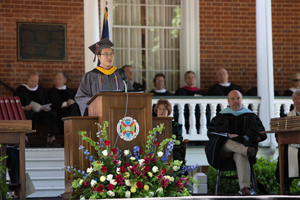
column 219, row 90
column 57, row 98
column 40, row 96
column 138, row 86
column 245, row 124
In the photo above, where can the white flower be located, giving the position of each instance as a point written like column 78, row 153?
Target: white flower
column 111, row 193
column 102, row 178
column 132, row 158
column 155, row 169
column 93, row 182
column 160, row 154
column 176, row 168
column 118, row 170
column 168, row 177
column 104, row 152
column 127, row 194
column 141, row 161
column 112, row 181
column 89, row 170
column 151, row 193
column 109, row 177
column 126, row 152
column 172, row 179
column 81, row 181
column 82, row 198
column 160, row 190
column 127, row 182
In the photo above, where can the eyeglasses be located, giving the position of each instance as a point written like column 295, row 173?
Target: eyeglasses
column 108, row 54
column 296, row 80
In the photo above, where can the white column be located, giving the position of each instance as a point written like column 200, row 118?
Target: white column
column 91, row 31
column 190, row 40
column 265, row 82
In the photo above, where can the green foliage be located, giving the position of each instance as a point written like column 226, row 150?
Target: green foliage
column 264, row 172
column 3, row 186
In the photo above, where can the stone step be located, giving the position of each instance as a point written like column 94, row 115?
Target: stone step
column 44, row 162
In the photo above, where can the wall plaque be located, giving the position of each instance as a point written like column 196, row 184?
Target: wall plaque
column 42, row 42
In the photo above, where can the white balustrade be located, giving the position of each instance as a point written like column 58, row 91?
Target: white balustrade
column 212, row 103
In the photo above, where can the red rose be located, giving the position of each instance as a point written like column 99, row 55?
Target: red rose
column 104, row 169
column 126, row 164
column 163, row 171
column 139, row 185
column 147, row 168
column 114, row 151
column 141, row 151
column 110, row 187
column 106, row 142
column 156, row 144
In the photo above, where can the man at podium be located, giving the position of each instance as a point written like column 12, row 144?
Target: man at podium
column 105, row 77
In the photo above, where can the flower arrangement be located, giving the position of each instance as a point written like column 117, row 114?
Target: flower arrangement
column 147, row 172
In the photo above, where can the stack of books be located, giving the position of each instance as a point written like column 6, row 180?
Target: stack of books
column 11, row 109
column 285, row 123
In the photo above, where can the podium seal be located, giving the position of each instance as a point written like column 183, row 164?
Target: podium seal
column 128, row 128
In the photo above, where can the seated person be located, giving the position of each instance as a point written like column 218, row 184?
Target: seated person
column 62, row 99
column 223, row 87
column 105, row 77
column 295, row 79
column 159, row 84
column 31, row 91
column 189, row 89
column 234, row 133
column 129, row 74
column 163, row 109
column 291, row 152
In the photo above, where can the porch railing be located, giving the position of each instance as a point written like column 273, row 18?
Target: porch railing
column 213, row 102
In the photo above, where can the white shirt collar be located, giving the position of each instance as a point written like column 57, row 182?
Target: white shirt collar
column 293, row 89
column 225, row 84
column 160, row 91
column 62, row 88
column 31, row 89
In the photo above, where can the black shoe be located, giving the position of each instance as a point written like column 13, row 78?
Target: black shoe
column 251, row 151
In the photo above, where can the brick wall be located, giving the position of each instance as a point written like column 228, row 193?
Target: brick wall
column 70, row 12
column 228, row 39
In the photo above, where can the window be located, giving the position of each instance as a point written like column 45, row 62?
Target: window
column 146, row 34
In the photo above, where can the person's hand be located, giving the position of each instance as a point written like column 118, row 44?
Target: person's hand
column 232, row 135
column 46, row 109
column 28, row 107
column 70, row 101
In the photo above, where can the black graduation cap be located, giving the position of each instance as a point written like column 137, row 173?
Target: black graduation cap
column 102, row 44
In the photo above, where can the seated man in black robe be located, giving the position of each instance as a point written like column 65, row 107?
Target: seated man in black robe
column 189, row 90
column 62, row 99
column 234, row 133
column 223, row 87
column 31, row 91
column 129, row 74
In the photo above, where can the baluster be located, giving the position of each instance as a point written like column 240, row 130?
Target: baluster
column 277, row 110
column 192, row 121
column 245, row 105
column 213, row 110
column 255, row 108
column 172, row 106
column 223, row 106
column 287, row 107
column 181, row 119
column 203, row 129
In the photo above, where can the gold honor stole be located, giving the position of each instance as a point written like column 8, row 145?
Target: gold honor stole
column 107, row 71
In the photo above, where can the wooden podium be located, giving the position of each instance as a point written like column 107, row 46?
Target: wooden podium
column 111, row 107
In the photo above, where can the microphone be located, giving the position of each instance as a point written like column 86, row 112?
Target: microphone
column 124, row 77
